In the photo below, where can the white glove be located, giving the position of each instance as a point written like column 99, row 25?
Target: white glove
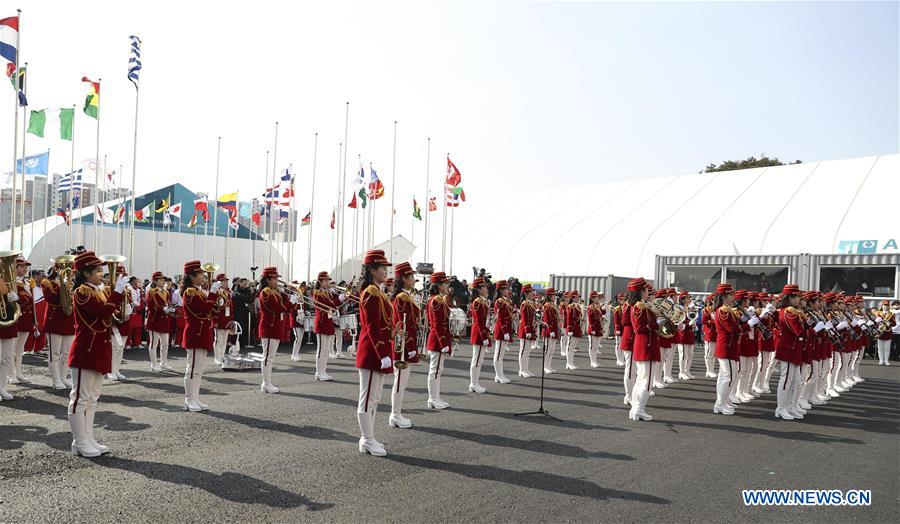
column 120, row 284
column 12, row 296
column 855, row 322
column 506, row 336
column 878, row 320
column 385, row 362
column 215, row 287
column 331, row 316
column 294, row 299
column 553, row 335
column 842, row 325
column 569, row 334
column 446, row 350
column 527, row 336
column 168, row 309
column 819, row 327
column 751, row 310
column 486, row 343
column 341, row 297
column 765, row 313
column 412, row 354
column 753, row 321
column 829, row 325
column 713, row 316
column 870, row 323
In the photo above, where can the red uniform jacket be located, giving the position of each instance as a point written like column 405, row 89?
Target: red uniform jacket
column 709, row 324
column 627, row 341
column 273, row 306
column 526, row 320
column 503, row 312
column 479, row 312
column 573, row 320
column 767, row 344
column 728, row 334
column 226, row 309
column 55, row 321
column 198, row 315
column 792, row 322
column 595, row 320
column 136, row 320
column 617, row 320
column 646, row 342
column 323, row 324
column 26, row 306
column 404, row 305
column 157, row 319
column 550, row 319
column 438, row 316
column 92, row 348
column 749, row 346
column 687, row 334
column 887, row 334
column 375, row 313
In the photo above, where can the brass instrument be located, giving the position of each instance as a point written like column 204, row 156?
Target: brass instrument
column 885, row 325
column 112, row 262
column 210, row 269
column 345, row 291
column 400, row 344
column 9, row 311
column 294, row 289
column 833, row 336
column 665, row 312
column 66, row 283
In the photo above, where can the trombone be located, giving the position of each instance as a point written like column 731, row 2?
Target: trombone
column 295, row 289
column 347, row 293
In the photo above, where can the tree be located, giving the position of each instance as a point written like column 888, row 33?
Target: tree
column 749, row 163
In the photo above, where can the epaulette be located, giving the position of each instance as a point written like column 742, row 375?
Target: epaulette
column 639, row 305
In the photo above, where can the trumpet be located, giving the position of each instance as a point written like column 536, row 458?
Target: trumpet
column 67, row 263
column 347, row 293
column 113, row 262
column 400, row 344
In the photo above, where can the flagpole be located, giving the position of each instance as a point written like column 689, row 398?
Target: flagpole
column 272, row 194
column 137, row 94
column 216, row 199
column 122, row 220
column 312, row 199
column 12, row 207
column 227, row 234
column 336, row 263
column 24, row 186
column 427, row 193
column 155, row 235
column 393, row 192
column 292, row 224
column 97, row 171
column 444, row 232
column 452, row 221
column 103, row 196
column 343, row 190
column 269, row 208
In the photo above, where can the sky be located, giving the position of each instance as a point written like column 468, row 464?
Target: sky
column 521, row 95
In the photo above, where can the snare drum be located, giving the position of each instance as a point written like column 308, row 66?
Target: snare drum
column 347, row 322
column 457, row 321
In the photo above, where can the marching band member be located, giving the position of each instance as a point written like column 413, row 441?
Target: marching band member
column 852, row 342
column 645, row 351
column 686, row 340
column 728, row 336
column 405, row 318
column 885, row 318
column 708, row 319
column 665, row 345
column 373, row 354
column 8, row 336
column 550, row 321
column 618, row 326
column 197, row 338
column 298, row 316
column 595, row 316
column 747, row 347
column 799, row 403
column 480, row 337
column 118, row 330
column 91, row 353
column 159, row 323
column 634, row 293
column 563, row 327
column 526, row 333
column 856, row 328
column 60, row 328
column 818, row 343
column 788, row 352
column 439, row 341
column 135, row 326
column 503, row 332
column 224, row 317
column 323, row 326
column 273, row 305
column 766, row 346
column 573, row 329
column 26, row 323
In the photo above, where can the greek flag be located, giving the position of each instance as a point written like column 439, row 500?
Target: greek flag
column 70, row 181
column 134, row 61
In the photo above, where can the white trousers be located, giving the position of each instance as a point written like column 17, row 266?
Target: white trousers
column 524, row 354
column 764, row 370
column 371, row 384
column 725, row 381
column 685, row 359
column 571, row 346
column 16, row 371
column 86, row 385
column 657, row 371
column 160, row 341
column 270, row 348
column 548, row 355
column 629, row 375
column 824, row 371
column 745, row 376
column 620, row 355
column 641, row 391
column 118, row 350
column 709, row 357
column 338, row 342
column 7, row 356
column 324, row 344
column 475, row 366
column 435, row 366
column 193, row 373
column 298, row 342
column 220, row 345
column 831, row 380
column 58, row 359
column 669, row 362
column 788, row 384
column 884, row 351
column 500, row 347
column 401, row 379
column 594, row 350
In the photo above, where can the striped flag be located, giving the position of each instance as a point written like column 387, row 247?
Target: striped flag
column 134, row 61
column 193, row 221
column 70, row 181
column 92, row 102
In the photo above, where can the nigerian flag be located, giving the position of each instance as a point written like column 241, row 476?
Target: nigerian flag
column 52, row 121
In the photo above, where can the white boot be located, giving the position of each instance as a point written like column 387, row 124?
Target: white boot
column 571, row 344
column 80, row 444
column 367, row 443
column 267, row 386
column 54, row 368
column 322, row 357
column 89, row 430
column 499, row 350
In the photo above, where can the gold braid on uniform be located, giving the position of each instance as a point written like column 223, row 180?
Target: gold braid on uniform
column 386, row 311
column 190, row 292
column 82, row 296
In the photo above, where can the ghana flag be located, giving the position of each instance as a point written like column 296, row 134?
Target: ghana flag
column 92, row 102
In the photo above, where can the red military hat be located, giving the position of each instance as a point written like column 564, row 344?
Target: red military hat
column 323, row 275
column 22, row 262
column 527, row 289
column 501, row 284
column 684, row 294
column 814, row 295
column 885, row 303
column 661, row 293
column 790, row 289
column 637, row 284
column 191, row 266
column 595, row 294
column 86, row 260
column 740, row 294
column 439, row 277
column 376, row 257
column 550, row 291
column 157, row 275
column 724, row 289
column 270, row 271
column 221, row 277
column 477, row 282
column 120, row 269
column 402, row 269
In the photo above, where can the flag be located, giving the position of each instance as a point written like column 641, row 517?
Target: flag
column 134, row 61
column 455, row 195
column 92, row 102
column 332, row 219
column 18, row 82
column 70, row 181
column 417, row 211
column 53, row 120
column 35, row 164
column 120, row 214
column 361, row 175
column 307, row 220
column 228, row 202
column 142, row 214
column 271, row 194
column 105, row 216
column 233, row 223
column 167, row 219
column 245, row 209
column 9, row 38
column 362, row 197
column 193, row 221
column 432, row 205
column 76, row 198
column 255, row 218
column 352, row 204
column 453, row 175
column 175, row 210
column 376, row 189
column 283, row 214
column 60, row 212
column 163, row 206
column 201, row 205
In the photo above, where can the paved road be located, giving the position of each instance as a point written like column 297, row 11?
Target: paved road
column 292, row 456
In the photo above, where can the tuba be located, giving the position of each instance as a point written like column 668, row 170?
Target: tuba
column 66, row 265
column 666, row 316
column 9, row 311
column 113, row 262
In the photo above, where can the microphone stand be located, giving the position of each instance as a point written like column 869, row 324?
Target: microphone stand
column 540, row 409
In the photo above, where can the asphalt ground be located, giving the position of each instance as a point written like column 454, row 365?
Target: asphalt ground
column 292, row 456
